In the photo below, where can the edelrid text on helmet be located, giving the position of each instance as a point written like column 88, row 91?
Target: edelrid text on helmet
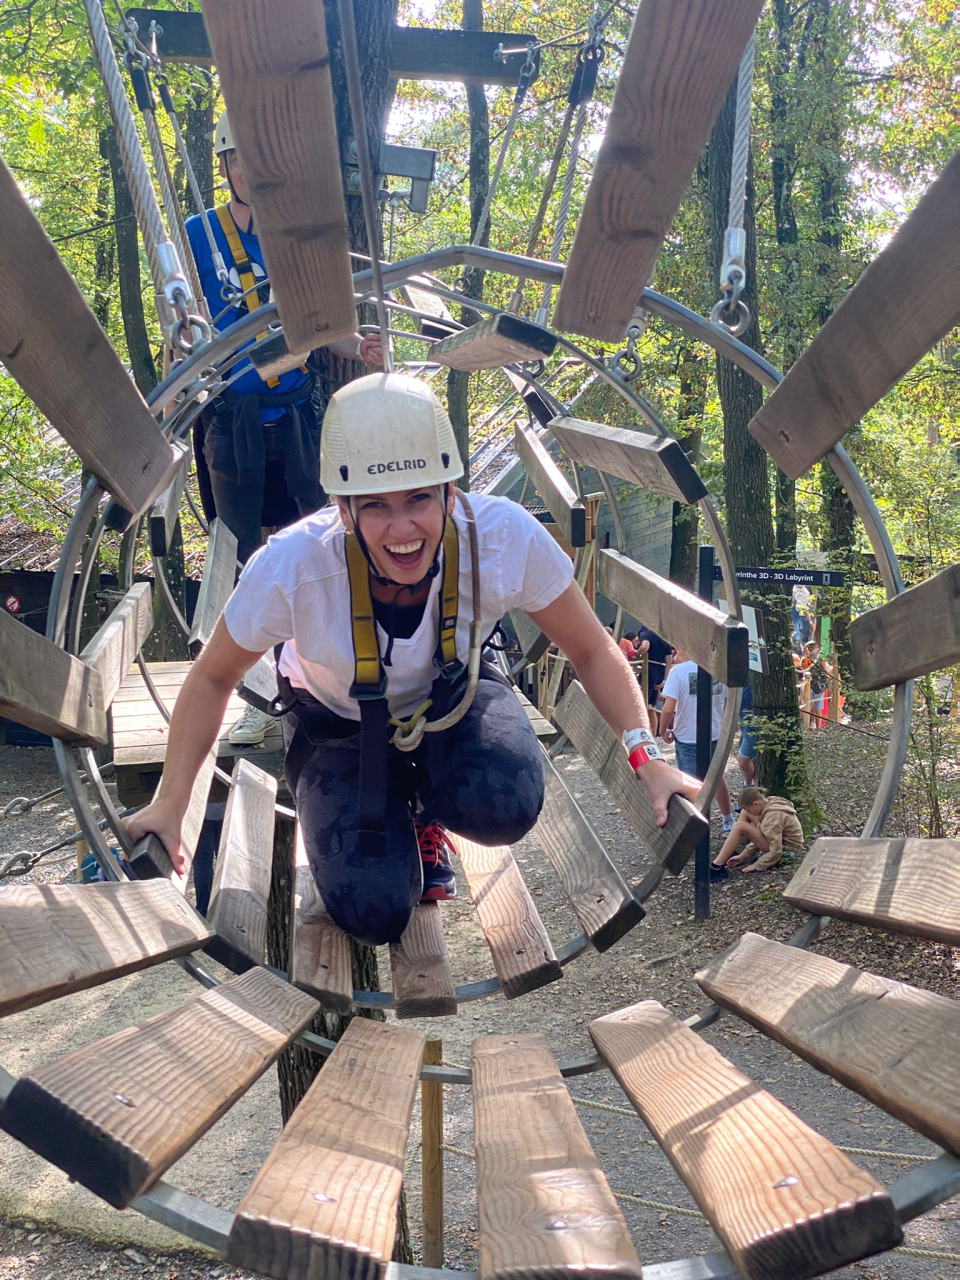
column 384, row 432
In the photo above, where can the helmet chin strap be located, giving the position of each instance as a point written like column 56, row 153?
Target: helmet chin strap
column 389, row 582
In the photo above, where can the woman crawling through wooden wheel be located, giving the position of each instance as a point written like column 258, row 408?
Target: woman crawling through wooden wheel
column 377, row 606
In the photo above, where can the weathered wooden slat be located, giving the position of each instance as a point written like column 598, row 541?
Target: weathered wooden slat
column 715, row 642
column 324, row 1203
column 437, row 321
column 494, row 342
column 523, row 956
column 148, row 858
column 552, row 485
column 904, row 302
column 545, row 1210
column 51, row 343
column 114, row 647
column 115, row 1114
column 58, row 938
column 784, row 1200
column 281, row 112
column 887, row 646
column 219, row 573
column 533, row 642
column 423, row 985
column 541, row 725
column 649, row 461
column 241, row 883
column 892, row 1043
column 165, row 512
column 320, row 952
column 680, row 60
column 671, row 845
column 259, row 685
column 593, row 886
column 906, row 886
column 48, row 689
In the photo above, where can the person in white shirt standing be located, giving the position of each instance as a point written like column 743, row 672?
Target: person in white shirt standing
column 395, row 729
column 678, row 723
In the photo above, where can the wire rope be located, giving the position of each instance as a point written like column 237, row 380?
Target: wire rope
column 523, row 84
column 351, row 60
column 563, row 213
column 730, row 311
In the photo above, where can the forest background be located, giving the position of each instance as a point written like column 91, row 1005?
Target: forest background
column 854, row 113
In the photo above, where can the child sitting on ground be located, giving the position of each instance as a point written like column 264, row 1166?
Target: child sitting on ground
column 769, row 823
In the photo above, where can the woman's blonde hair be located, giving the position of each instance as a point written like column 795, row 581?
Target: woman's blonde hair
column 750, row 795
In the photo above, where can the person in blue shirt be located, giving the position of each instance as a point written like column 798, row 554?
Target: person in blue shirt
column 257, row 444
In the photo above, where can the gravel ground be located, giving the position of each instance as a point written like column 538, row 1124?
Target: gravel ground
column 56, row 1229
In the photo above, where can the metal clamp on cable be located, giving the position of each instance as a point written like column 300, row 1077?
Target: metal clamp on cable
column 526, row 75
column 626, row 365
column 729, row 311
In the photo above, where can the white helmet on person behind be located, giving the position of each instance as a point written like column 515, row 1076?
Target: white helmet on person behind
column 223, row 136
column 385, row 432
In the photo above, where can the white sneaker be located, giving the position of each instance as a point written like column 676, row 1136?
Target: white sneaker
column 251, row 728
column 727, row 822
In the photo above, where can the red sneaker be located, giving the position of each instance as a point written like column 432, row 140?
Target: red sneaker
column 439, row 881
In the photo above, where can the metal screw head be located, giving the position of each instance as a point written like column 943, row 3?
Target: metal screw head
column 789, row 1181
column 323, row 1199
column 557, row 1225
column 122, row 1098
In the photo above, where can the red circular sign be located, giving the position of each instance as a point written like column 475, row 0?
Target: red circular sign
column 12, row 604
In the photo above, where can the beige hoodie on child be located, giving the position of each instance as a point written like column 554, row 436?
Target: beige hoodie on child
column 782, row 828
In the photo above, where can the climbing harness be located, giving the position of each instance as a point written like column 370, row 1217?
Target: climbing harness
column 451, row 694
column 730, row 310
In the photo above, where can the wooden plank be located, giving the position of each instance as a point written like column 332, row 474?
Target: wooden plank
column 48, row 689
column 904, row 302
column 241, row 883
column 58, row 938
column 906, row 886
column 325, row 1201
column 541, row 725
column 280, row 102
column 494, row 342
column 545, row 1210
column 649, row 461
column 533, row 642
column 892, row 1043
column 672, row 845
column 552, row 486
column 599, row 895
column 887, row 646
column 165, row 512
column 437, row 321
column 523, row 956
column 680, row 60
column 320, row 953
column 116, row 1114
column 216, row 584
column 113, row 649
column 784, row 1200
column 423, row 985
column 259, row 685
column 715, row 642
column 51, row 343
column 148, row 858
column 416, row 53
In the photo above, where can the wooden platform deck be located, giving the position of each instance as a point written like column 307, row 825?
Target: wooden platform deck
column 140, row 732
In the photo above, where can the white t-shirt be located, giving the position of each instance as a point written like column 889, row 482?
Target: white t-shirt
column 296, row 589
column 681, row 684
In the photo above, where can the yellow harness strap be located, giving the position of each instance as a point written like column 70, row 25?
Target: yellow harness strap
column 248, row 281
column 368, row 672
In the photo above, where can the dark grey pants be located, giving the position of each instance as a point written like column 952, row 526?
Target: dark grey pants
column 490, row 789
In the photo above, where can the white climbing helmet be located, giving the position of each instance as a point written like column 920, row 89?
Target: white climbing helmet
column 385, row 432
column 223, row 136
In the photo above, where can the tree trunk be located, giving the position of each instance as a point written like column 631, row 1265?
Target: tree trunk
column 747, row 490
column 297, row 1068
column 198, row 134
column 128, row 270
column 458, row 380
column 692, row 373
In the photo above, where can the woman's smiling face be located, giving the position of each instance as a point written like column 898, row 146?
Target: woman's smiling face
column 402, row 529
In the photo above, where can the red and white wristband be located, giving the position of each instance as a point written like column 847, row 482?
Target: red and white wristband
column 641, row 747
